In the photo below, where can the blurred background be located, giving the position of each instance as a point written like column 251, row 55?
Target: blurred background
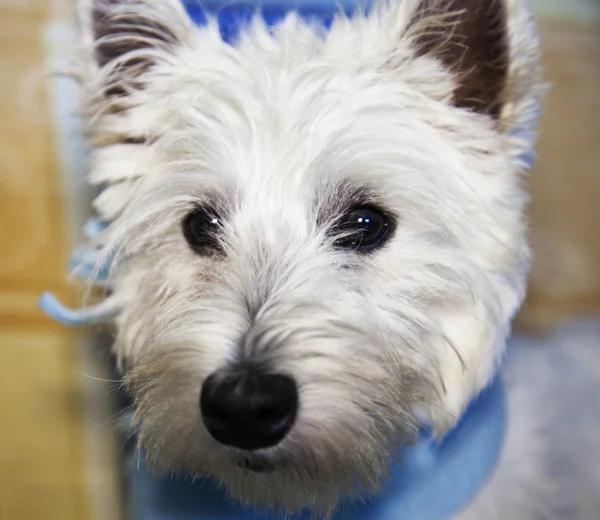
column 59, row 455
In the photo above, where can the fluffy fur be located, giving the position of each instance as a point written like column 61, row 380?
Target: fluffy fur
column 281, row 133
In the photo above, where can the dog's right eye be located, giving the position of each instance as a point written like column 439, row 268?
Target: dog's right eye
column 364, row 229
column 201, row 230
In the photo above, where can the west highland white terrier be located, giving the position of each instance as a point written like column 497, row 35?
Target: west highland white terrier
column 318, row 243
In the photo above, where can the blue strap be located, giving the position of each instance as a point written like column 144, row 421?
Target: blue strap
column 75, row 318
column 433, row 482
column 84, row 263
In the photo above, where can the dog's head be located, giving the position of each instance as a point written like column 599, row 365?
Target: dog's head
column 319, row 235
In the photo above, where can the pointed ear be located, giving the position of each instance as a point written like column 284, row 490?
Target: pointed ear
column 470, row 38
column 124, row 38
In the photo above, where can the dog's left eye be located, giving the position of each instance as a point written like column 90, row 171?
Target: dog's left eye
column 200, row 229
column 363, row 229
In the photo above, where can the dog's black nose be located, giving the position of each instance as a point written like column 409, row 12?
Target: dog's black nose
column 247, row 409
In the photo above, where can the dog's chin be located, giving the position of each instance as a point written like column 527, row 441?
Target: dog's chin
column 256, row 463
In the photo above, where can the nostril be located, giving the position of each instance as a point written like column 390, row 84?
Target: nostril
column 249, row 410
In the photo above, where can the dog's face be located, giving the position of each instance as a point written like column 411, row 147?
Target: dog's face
column 319, row 236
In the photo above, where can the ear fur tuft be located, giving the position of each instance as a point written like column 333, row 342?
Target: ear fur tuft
column 130, row 36
column 470, row 37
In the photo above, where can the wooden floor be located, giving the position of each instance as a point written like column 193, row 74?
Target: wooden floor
column 41, row 469
column 48, row 468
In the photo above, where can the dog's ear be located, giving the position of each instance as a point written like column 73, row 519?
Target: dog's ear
column 470, row 38
column 124, row 38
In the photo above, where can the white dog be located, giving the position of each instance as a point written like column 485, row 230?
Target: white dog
column 318, row 245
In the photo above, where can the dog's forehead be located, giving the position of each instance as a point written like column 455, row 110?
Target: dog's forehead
column 278, row 126
column 266, row 125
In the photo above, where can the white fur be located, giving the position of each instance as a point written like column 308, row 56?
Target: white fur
column 273, row 132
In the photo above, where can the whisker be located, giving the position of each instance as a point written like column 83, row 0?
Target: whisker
column 101, row 379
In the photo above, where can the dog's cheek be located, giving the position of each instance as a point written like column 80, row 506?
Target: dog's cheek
column 166, row 389
column 364, row 395
column 157, row 292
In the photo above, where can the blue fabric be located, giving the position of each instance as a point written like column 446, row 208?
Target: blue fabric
column 433, row 482
column 232, row 15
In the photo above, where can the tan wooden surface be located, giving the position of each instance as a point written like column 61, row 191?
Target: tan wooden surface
column 42, row 475
column 32, row 238
column 565, row 185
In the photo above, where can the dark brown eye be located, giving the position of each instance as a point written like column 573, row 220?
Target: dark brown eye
column 363, row 229
column 201, row 229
